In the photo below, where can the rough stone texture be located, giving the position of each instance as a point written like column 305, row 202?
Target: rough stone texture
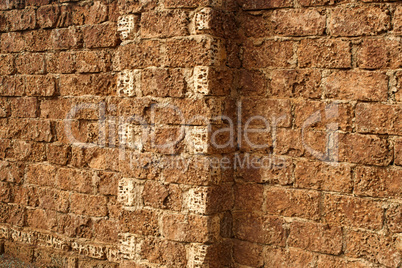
column 379, row 54
column 335, row 167
column 359, row 21
column 348, row 211
column 304, row 170
column 295, row 83
column 298, row 22
column 319, row 176
column 292, row 203
column 324, row 53
column 363, row 86
column 268, row 54
column 315, row 237
column 386, row 119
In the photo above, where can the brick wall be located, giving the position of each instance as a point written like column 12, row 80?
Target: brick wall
column 209, row 133
column 330, row 68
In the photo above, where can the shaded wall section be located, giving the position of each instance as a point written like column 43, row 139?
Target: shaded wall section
column 330, row 196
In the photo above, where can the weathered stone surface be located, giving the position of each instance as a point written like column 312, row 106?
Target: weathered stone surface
column 292, row 203
column 248, row 253
column 324, row 53
column 364, row 149
column 100, row 35
column 353, row 212
column 366, row 244
column 378, row 118
column 258, row 229
column 378, row 182
column 268, row 54
column 95, row 206
column 264, row 4
column 279, row 257
column 315, row 237
column 163, row 24
column 379, row 53
column 364, row 86
column 322, row 176
column 180, row 227
column 359, row 21
column 298, row 22
column 296, row 83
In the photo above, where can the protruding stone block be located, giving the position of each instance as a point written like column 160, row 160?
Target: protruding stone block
column 196, row 200
column 129, row 83
column 201, row 80
column 130, row 193
column 126, row 26
column 197, row 256
column 203, row 19
column 198, row 140
column 128, row 246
